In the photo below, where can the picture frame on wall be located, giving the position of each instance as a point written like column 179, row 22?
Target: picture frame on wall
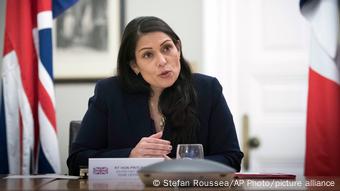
column 86, row 41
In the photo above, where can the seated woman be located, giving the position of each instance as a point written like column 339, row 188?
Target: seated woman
column 155, row 103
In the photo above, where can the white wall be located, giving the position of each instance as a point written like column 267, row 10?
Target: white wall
column 71, row 104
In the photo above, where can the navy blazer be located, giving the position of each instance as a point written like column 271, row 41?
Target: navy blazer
column 116, row 121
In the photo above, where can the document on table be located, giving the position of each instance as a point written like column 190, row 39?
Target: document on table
column 47, row 176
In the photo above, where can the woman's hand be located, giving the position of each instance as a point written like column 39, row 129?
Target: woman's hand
column 152, row 146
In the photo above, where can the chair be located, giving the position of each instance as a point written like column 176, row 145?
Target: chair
column 74, row 129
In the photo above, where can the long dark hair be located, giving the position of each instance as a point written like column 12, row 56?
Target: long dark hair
column 178, row 102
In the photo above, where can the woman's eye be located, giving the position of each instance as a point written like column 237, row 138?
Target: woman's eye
column 167, row 48
column 147, row 55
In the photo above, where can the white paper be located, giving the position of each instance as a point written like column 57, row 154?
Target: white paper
column 47, row 176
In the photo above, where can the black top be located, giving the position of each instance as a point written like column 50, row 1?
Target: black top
column 116, row 121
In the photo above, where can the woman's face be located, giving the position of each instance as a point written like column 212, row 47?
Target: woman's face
column 157, row 59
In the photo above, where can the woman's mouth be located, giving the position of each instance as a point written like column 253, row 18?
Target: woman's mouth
column 165, row 74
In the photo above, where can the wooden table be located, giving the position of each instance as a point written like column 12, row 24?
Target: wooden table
column 23, row 184
column 301, row 183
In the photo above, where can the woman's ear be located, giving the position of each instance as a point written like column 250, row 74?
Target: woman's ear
column 134, row 67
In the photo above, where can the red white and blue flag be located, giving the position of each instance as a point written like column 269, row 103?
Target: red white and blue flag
column 323, row 112
column 28, row 132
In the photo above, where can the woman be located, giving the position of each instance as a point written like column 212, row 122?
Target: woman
column 155, row 103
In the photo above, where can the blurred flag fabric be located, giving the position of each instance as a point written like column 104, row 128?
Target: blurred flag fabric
column 323, row 111
column 28, row 132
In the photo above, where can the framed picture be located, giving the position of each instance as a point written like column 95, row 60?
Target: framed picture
column 86, row 40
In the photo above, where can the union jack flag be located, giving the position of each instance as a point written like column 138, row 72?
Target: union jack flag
column 100, row 170
column 28, row 132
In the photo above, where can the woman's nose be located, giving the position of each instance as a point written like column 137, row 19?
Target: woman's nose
column 162, row 60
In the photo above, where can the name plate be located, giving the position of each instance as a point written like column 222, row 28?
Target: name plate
column 118, row 168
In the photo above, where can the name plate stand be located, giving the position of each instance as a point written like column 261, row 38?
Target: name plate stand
column 118, row 168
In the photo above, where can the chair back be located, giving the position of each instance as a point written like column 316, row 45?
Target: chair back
column 74, row 129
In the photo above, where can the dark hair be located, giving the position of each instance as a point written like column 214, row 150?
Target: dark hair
column 177, row 103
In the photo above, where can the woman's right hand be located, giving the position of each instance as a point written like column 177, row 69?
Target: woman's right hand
column 152, row 146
